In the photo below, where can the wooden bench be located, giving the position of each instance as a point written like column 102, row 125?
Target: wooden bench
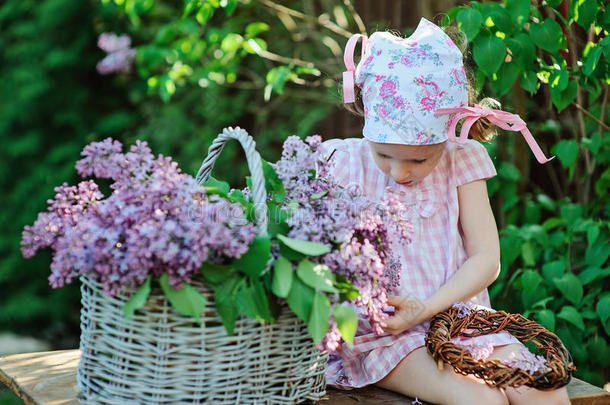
column 49, row 378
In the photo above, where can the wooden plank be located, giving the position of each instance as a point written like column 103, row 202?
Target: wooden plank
column 367, row 395
column 49, row 378
column 43, row 378
column 583, row 393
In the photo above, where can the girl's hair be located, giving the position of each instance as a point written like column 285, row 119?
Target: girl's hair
column 482, row 130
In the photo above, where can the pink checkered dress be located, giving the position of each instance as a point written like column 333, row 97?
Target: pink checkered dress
column 435, row 254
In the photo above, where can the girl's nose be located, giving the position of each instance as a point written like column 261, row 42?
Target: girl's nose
column 401, row 173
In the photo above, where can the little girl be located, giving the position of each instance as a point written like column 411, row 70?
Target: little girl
column 414, row 91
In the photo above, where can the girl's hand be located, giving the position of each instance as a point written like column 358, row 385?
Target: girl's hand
column 409, row 311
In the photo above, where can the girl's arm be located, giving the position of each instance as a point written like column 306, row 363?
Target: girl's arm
column 482, row 246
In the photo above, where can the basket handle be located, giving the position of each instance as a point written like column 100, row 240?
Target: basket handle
column 254, row 164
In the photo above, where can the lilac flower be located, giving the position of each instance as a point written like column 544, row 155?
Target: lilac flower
column 120, row 56
column 478, row 351
column 526, row 361
column 464, row 307
column 357, row 230
column 156, row 220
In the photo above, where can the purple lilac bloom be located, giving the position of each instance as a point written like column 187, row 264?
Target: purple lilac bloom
column 478, row 351
column 120, row 56
column 357, row 230
column 526, row 361
column 156, row 220
column 464, row 307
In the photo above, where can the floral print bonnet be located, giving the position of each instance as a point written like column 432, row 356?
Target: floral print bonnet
column 414, row 90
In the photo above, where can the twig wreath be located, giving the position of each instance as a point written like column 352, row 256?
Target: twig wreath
column 554, row 372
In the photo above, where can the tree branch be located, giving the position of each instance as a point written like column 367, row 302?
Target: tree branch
column 322, row 20
column 355, row 16
column 602, row 125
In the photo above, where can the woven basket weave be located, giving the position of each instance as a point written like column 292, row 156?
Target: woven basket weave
column 159, row 356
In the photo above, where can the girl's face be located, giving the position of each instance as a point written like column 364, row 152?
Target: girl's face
column 406, row 164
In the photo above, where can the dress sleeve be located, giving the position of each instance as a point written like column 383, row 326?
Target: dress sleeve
column 470, row 162
column 340, row 159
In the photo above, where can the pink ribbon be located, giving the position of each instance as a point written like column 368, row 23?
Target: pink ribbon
column 350, row 73
column 503, row 119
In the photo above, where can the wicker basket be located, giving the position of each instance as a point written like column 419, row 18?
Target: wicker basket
column 159, row 356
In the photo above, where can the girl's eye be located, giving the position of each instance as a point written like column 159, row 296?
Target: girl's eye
column 420, row 161
column 381, row 155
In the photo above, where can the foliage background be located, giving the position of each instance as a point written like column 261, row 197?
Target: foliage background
column 274, row 69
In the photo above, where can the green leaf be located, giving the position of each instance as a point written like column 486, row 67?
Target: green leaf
column 552, row 223
column 509, row 171
column 225, row 299
column 546, row 35
column 501, row 19
column 592, row 60
column 303, row 246
column 469, row 21
column 187, row 300
column 546, row 318
column 571, row 213
column 570, row 314
column 561, row 99
column 546, row 202
column 593, row 143
column 347, row 322
column 217, row 184
column 252, row 301
column 282, row 277
column 254, row 261
column 506, row 78
column 277, row 219
column 216, row 273
column 583, row 12
column 318, row 320
column 255, row 28
column 592, row 233
column 553, row 270
column 591, row 274
column 489, row 53
column 529, row 81
column 527, row 253
column 137, row 300
column 273, row 183
column 204, row 14
column 567, row 152
column 253, row 44
column 300, row 299
column 317, row 276
column 570, row 286
column 318, row 195
column 231, row 42
column 603, row 310
column 522, row 49
column 530, row 280
column 558, row 79
column 597, row 253
column 519, row 11
column 277, row 77
column 230, row 6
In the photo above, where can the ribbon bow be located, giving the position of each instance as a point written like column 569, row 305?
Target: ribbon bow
column 503, row 119
column 350, row 73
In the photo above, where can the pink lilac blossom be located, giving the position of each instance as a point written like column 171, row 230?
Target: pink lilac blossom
column 526, row 361
column 156, row 220
column 464, row 307
column 478, row 351
column 355, row 228
column 120, row 56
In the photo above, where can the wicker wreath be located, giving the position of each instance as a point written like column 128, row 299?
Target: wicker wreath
column 450, row 323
